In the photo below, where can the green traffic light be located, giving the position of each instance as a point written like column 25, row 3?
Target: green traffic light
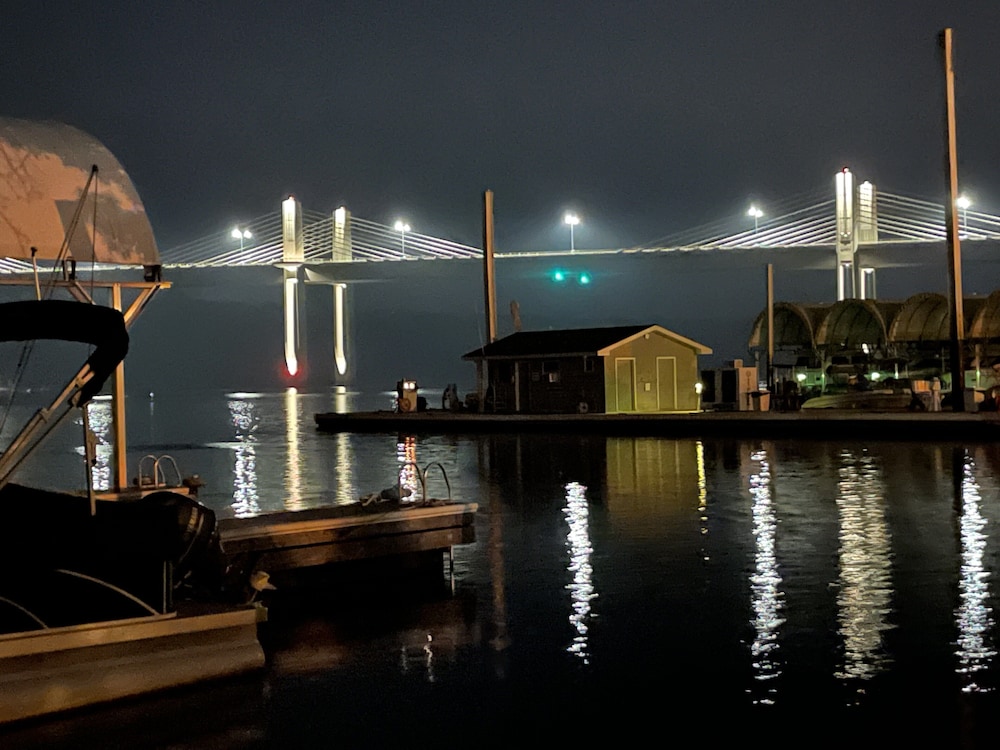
column 558, row 276
column 584, row 278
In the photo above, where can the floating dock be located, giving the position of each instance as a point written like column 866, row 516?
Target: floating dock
column 56, row 669
column 820, row 424
column 294, row 540
column 52, row 670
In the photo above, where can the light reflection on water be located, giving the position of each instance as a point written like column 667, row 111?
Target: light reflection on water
column 245, row 420
column 974, row 617
column 99, row 417
column 582, row 586
column 765, row 582
column 293, row 456
column 692, row 544
column 865, row 586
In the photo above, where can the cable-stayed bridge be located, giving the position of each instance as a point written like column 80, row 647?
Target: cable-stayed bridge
column 313, row 248
column 807, row 220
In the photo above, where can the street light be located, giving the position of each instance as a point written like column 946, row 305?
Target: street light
column 756, row 213
column 402, row 227
column 241, row 234
column 963, row 202
column 571, row 219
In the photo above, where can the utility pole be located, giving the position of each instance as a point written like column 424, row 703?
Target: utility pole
column 952, row 232
column 488, row 276
column 770, row 329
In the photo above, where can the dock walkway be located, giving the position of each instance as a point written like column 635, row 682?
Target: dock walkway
column 817, row 424
column 293, row 540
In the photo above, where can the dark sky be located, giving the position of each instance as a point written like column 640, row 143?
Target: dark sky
column 648, row 118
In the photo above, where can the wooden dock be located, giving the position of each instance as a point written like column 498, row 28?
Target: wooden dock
column 57, row 669
column 295, row 540
column 820, row 424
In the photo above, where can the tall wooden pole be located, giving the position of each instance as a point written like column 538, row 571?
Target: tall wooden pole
column 770, row 328
column 488, row 279
column 952, row 232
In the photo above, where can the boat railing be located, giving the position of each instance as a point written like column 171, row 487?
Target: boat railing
column 157, row 478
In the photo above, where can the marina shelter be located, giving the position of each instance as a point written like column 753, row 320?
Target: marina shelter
column 639, row 368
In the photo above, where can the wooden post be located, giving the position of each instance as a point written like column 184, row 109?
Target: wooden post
column 952, row 232
column 770, row 329
column 119, row 449
column 482, row 371
column 488, row 279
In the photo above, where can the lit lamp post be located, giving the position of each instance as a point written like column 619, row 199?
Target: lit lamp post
column 963, row 202
column 241, row 234
column 756, row 213
column 402, row 227
column 571, row 219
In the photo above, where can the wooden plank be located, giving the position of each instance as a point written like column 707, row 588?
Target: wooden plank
column 276, row 531
column 289, row 558
column 49, row 671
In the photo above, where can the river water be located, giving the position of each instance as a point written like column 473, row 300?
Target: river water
column 626, row 590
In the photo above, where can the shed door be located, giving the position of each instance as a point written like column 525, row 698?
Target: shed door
column 666, row 383
column 625, row 384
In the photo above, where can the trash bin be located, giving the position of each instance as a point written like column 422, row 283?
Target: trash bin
column 760, row 400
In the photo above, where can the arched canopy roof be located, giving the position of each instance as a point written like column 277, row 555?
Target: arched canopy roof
column 922, row 317
column 793, row 327
column 985, row 323
column 44, row 169
column 850, row 323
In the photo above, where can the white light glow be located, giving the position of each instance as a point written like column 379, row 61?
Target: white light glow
column 291, row 325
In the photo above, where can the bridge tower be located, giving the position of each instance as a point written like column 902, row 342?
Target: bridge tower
column 341, row 251
column 292, row 258
column 857, row 223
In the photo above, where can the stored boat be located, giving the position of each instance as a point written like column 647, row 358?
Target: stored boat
column 115, row 590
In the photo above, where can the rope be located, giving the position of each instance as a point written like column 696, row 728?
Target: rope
column 28, row 346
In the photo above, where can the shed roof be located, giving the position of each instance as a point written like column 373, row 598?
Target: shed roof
column 571, row 342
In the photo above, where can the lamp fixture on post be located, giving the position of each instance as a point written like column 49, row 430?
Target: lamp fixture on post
column 571, row 219
column 963, row 202
column 241, row 235
column 756, row 213
column 402, row 227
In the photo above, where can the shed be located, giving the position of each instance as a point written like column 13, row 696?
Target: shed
column 640, row 368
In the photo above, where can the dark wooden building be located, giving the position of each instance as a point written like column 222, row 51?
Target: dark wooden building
column 641, row 368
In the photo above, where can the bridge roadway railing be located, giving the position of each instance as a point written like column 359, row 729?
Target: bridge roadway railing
column 807, row 220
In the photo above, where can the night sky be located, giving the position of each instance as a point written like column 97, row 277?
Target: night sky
column 647, row 118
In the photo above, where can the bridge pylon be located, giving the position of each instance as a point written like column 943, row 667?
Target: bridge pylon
column 857, row 223
column 292, row 259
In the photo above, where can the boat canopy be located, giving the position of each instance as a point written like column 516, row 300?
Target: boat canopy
column 45, row 170
column 68, row 320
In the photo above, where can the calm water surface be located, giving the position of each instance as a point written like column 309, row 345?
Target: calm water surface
column 765, row 593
